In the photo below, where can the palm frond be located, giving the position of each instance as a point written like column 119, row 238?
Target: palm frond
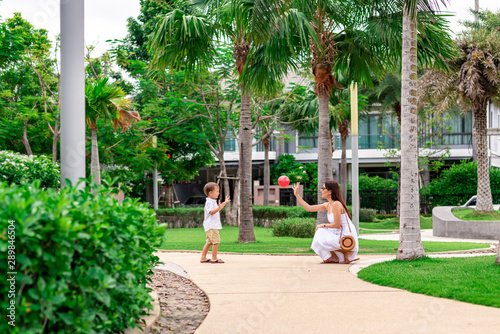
column 183, row 40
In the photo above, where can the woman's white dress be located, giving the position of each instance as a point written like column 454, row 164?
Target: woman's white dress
column 328, row 239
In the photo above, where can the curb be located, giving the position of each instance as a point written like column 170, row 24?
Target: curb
column 149, row 319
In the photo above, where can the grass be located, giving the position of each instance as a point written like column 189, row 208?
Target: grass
column 473, row 280
column 194, row 239
column 469, row 214
column 391, row 224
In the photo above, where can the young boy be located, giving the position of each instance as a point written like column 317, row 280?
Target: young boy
column 212, row 223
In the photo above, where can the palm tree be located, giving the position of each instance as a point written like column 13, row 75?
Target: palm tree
column 473, row 81
column 187, row 37
column 104, row 100
column 410, row 242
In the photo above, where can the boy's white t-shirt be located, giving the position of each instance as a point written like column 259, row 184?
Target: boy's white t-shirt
column 211, row 221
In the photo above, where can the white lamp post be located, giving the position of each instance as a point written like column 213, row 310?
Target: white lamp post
column 72, row 91
column 354, row 150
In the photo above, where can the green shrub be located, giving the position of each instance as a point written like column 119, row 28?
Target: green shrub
column 131, row 182
column 82, row 259
column 185, row 217
column 262, row 215
column 458, row 183
column 367, row 215
column 295, row 227
column 19, row 169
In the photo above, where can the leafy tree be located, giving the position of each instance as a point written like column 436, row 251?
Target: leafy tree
column 105, row 100
column 473, row 81
column 187, row 37
column 23, row 49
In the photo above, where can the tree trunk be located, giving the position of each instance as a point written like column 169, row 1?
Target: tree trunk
column 324, row 149
column 266, row 143
column 497, row 261
column 230, row 218
column 55, row 140
column 234, row 210
column 343, row 168
column 246, row 232
column 94, row 161
column 410, row 243
column 398, row 206
column 484, row 199
column 25, row 139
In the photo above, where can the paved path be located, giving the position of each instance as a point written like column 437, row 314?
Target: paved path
column 426, row 236
column 296, row 294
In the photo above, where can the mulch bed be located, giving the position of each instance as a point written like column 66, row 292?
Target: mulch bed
column 184, row 306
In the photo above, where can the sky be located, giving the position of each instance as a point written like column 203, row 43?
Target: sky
column 107, row 19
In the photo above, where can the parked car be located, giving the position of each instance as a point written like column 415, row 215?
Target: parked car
column 471, row 204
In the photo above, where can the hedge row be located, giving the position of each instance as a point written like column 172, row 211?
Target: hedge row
column 82, row 259
column 264, row 216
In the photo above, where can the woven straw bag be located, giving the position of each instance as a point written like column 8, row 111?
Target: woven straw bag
column 347, row 242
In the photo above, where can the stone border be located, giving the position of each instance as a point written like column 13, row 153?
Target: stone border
column 445, row 224
column 150, row 319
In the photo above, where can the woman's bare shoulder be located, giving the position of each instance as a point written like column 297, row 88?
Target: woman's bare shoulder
column 337, row 206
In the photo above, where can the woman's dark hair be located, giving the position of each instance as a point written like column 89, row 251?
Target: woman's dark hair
column 334, row 187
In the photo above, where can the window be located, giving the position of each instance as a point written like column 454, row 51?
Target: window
column 230, row 145
column 377, row 128
column 308, row 141
column 460, row 130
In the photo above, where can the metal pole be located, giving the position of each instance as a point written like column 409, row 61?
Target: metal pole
column 354, row 150
column 72, row 92
column 155, row 181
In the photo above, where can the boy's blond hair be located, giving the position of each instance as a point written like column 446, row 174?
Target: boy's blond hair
column 210, row 186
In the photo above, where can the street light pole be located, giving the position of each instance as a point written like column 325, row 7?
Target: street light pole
column 72, row 91
column 155, row 180
column 354, row 150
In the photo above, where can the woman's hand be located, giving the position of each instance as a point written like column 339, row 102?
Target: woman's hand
column 296, row 189
column 317, row 226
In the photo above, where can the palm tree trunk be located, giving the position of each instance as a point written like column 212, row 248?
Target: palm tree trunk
column 55, row 140
column 266, row 143
column 343, row 174
column 230, row 218
column 398, row 206
column 410, row 243
column 246, row 232
column 25, row 139
column 324, row 149
column 94, row 161
column 484, row 199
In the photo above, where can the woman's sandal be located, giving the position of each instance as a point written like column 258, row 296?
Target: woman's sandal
column 217, row 261
column 347, row 261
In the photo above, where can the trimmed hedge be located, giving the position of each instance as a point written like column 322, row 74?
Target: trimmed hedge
column 295, row 227
column 459, row 183
column 19, row 169
column 263, row 215
column 82, row 259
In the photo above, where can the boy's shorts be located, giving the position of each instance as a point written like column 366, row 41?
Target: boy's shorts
column 213, row 237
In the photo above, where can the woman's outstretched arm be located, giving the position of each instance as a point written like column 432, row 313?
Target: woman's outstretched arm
column 310, row 208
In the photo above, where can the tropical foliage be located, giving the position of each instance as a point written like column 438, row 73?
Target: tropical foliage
column 473, row 81
column 83, row 260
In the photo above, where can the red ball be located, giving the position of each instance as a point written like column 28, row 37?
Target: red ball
column 283, row 181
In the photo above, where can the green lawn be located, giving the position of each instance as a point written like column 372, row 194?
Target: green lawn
column 469, row 214
column 474, row 280
column 194, row 239
column 391, row 224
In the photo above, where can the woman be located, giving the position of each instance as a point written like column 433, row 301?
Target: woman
column 326, row 242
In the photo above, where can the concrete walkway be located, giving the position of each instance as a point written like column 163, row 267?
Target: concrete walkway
column 296, row 294
column 426, row 236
